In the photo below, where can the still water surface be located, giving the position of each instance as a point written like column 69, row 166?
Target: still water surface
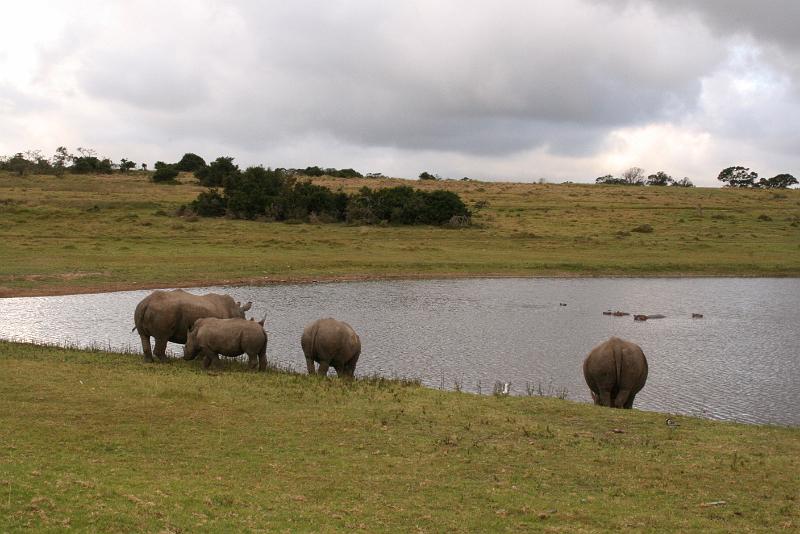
column 740, row 362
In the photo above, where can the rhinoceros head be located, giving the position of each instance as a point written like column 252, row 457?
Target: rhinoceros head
column 241, row 308
column 190, row 349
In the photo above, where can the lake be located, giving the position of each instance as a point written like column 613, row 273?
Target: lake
column 740, row 362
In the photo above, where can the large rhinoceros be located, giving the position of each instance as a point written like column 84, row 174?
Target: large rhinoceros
column 331, row 343
column 229, row 337
column 168, row 316
column 615, row 372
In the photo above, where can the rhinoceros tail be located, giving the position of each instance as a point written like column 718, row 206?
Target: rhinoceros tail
column 138, row 315
column 617, row 351
column 312, row 346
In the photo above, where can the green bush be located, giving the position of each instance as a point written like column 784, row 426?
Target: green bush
column 405, row 205
column 216, row 172
column 90, row 165
column 190, row 163
column 298, row 200
column 209, row 204
column 165, row 173
column 249, row 193
column 278, row 195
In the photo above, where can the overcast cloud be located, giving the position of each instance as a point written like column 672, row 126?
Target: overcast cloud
column 504, row 90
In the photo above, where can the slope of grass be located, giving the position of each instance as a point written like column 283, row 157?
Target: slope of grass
column 83, row 233
column 102, row 442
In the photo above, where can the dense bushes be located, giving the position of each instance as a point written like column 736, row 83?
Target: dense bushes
column 165, row 173
column 214, row 174
column 329, row 171
column 190, row 163
column 279, row 195
column 635, row 176
column 209, row 204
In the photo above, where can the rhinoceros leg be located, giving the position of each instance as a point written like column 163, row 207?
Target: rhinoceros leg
column 252, row 360
column 621, row 400
column 161, row 349
column 604, row 397
column 350, row 366
column 262, row 359
column 209, row 358
column 323, row 368
column 310, row 366
column 148, row 351
column 629, row 403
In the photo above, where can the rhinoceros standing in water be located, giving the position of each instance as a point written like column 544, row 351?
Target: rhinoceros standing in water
column 331, row 343
column 168, row 316
column 615, row 372
column 229, row 337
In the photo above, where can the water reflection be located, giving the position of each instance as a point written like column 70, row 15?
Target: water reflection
column 739, row 362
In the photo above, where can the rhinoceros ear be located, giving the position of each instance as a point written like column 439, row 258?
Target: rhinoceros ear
column 247, row 306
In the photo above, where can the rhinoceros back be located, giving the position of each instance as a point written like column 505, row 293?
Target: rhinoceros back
column 170, row 314
column 230, row 337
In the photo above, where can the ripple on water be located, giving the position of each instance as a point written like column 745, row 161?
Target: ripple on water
column 740, row 362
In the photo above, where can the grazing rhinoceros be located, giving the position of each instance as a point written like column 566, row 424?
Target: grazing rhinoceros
column 230, row 337
column 168, row 316
column 331, row 343
column 615, row 372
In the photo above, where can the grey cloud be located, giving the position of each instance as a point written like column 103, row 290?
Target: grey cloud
column 453, row 76
column 467, row 79
column 773, row 21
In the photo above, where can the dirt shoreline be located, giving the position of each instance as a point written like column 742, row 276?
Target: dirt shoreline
column 111, row 287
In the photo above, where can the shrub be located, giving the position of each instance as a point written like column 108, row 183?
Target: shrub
column 404, row 205
column 216, row 172
column 90, row 165
column 643, row 229
column 165, row 174
column 249, row 193
column 190, row 163
column 209, row 204
column 300, row 199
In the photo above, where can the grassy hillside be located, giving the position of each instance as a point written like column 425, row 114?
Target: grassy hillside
column 102, row 442
column 82, row 233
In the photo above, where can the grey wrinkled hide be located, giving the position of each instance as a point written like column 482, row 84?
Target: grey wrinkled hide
column 615, row 372
column 168, row 316
column 228, row 337
column 331, row 343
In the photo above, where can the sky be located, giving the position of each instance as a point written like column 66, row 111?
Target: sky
column 504, row 90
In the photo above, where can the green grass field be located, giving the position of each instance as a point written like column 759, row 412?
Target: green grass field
column 95, row 233
column 95, row 441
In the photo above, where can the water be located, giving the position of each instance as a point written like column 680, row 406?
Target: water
column 740, row 362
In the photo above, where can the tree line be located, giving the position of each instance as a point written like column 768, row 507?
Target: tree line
column 636, row 176
column 731, row 176
column 84, row 161
column 743, row 177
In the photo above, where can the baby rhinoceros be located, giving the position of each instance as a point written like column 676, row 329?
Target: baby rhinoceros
column 331, row 343
column 615, row 372
column 230, row 337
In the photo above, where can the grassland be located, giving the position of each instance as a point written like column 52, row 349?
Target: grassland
column 102, row 442
column 94, row 233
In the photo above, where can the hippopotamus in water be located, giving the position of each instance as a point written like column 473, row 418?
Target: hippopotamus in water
column 615, row 372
